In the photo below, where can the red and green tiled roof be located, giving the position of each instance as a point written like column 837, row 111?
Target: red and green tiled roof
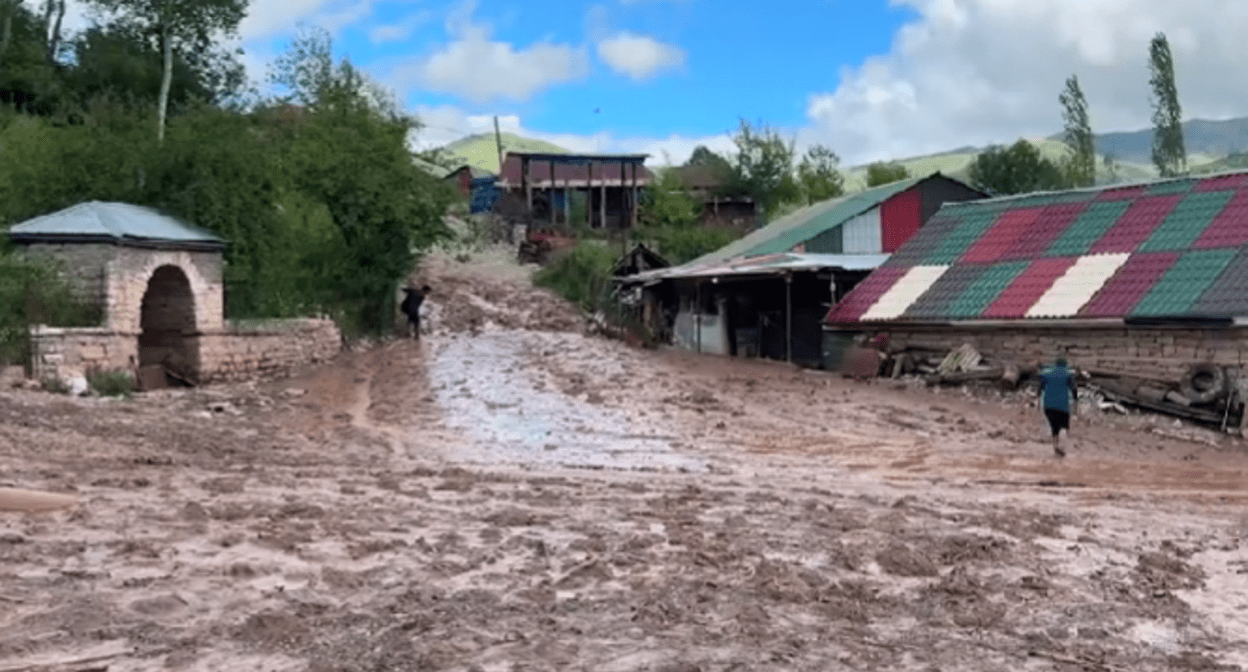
column 1171, row 248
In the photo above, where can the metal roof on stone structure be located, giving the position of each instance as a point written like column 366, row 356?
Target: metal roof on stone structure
column 1160, row 250
column 116, row 223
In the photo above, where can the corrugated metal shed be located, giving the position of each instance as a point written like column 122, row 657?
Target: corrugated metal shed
column 1174, row 248
column 118, row 223
column 771, row 264
column 806, row 224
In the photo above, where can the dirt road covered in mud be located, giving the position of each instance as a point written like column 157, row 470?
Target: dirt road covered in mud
column 509, row 494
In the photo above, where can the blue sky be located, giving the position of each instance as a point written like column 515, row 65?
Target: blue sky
column 871, row 79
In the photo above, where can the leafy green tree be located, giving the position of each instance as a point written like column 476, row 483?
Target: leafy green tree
column 667, row 203
column 1169, row 151
column 820, row 175
column 120, row 61
column 351, row 154
column 192, row 24
column 1080, row 164
column 671, row 221
column 763, row 168
column 885, row 173
column 28, row 82
column 1019, row 169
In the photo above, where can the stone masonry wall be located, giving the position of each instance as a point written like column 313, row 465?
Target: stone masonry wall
column 275, row 348
column 116, row 277
column 64, row 353
column 1160, row 353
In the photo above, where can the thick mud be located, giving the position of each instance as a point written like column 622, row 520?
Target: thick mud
column 509, row 494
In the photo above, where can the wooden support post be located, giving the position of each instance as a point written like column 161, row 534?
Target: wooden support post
column 550, row 198
column 632, row 215
column 526, row 185
column 602, row 203
column 589, row 195
column 788, row 317
column 567, row 201
column 697, row 301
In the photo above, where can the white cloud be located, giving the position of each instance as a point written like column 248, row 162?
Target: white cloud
column 399, row 31
column 639, row 56
column 447, row 123
column 481, row 70
column 982, row 71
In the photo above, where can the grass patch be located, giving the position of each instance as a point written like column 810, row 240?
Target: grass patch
column 116, row 383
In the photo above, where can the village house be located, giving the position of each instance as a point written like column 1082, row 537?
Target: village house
column 545, row 187
column 705, row 185
column 159, row 283
column 1139, row 280
column 767, row 293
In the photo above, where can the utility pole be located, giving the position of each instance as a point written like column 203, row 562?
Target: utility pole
column 498, row 139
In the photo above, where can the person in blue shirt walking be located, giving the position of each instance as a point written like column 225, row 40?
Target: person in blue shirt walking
column 1057, row 390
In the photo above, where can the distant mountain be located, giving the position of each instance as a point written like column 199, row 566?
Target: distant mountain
column 481, row 150
column 1205, row 141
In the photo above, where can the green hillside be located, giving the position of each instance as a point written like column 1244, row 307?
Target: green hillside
column 957, row 164
column 1205, row 141
column 481, row 150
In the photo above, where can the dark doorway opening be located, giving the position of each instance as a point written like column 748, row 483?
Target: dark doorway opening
column 167, row 319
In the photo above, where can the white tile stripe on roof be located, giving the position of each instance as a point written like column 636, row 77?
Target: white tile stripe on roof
column 904, row 292
column 1078, row 285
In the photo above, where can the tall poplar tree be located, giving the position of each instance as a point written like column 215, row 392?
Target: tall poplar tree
column 1169, row 152
column 1080, row 165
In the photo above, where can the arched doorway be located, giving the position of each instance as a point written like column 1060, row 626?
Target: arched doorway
column 167, row 320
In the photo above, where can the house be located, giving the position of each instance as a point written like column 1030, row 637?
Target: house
column 705, row 185
column 553, row 187
column 1142, row 279
column 477, row 185
column 766, row 294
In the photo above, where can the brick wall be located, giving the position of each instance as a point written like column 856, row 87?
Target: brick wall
column 273, row 348
column 1161, row 353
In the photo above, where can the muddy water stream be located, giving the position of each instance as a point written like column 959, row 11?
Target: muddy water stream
column 513, row 415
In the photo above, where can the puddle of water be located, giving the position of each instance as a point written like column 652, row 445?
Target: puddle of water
column 486, row 390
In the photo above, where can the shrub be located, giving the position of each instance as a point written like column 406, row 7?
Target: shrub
column 581, row 275
column 116, row 383
column 33, row 292
column 56, row 386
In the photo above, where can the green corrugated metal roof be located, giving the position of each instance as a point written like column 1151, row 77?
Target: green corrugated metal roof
column 1088, row 228
column 120, row 222
column 805, row 224
column 1183, row 284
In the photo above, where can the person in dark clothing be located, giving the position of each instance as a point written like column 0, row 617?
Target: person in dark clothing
column 411, row 307
column 1057, row 390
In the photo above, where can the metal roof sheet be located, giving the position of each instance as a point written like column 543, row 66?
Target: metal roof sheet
column 1077, row 285
column 1170, row 248
column 802, row 225
column 1017, row 298
column 894, row 302
column 119, row 222
column 765, row 265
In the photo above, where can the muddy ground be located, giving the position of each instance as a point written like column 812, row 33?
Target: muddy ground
column 509, row 494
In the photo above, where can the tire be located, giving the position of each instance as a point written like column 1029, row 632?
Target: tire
column 1203, row 383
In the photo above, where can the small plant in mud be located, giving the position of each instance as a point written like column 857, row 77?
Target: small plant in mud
column 116, row 383
column 55, row 385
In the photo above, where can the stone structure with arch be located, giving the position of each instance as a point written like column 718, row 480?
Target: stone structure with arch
column 159, row 283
